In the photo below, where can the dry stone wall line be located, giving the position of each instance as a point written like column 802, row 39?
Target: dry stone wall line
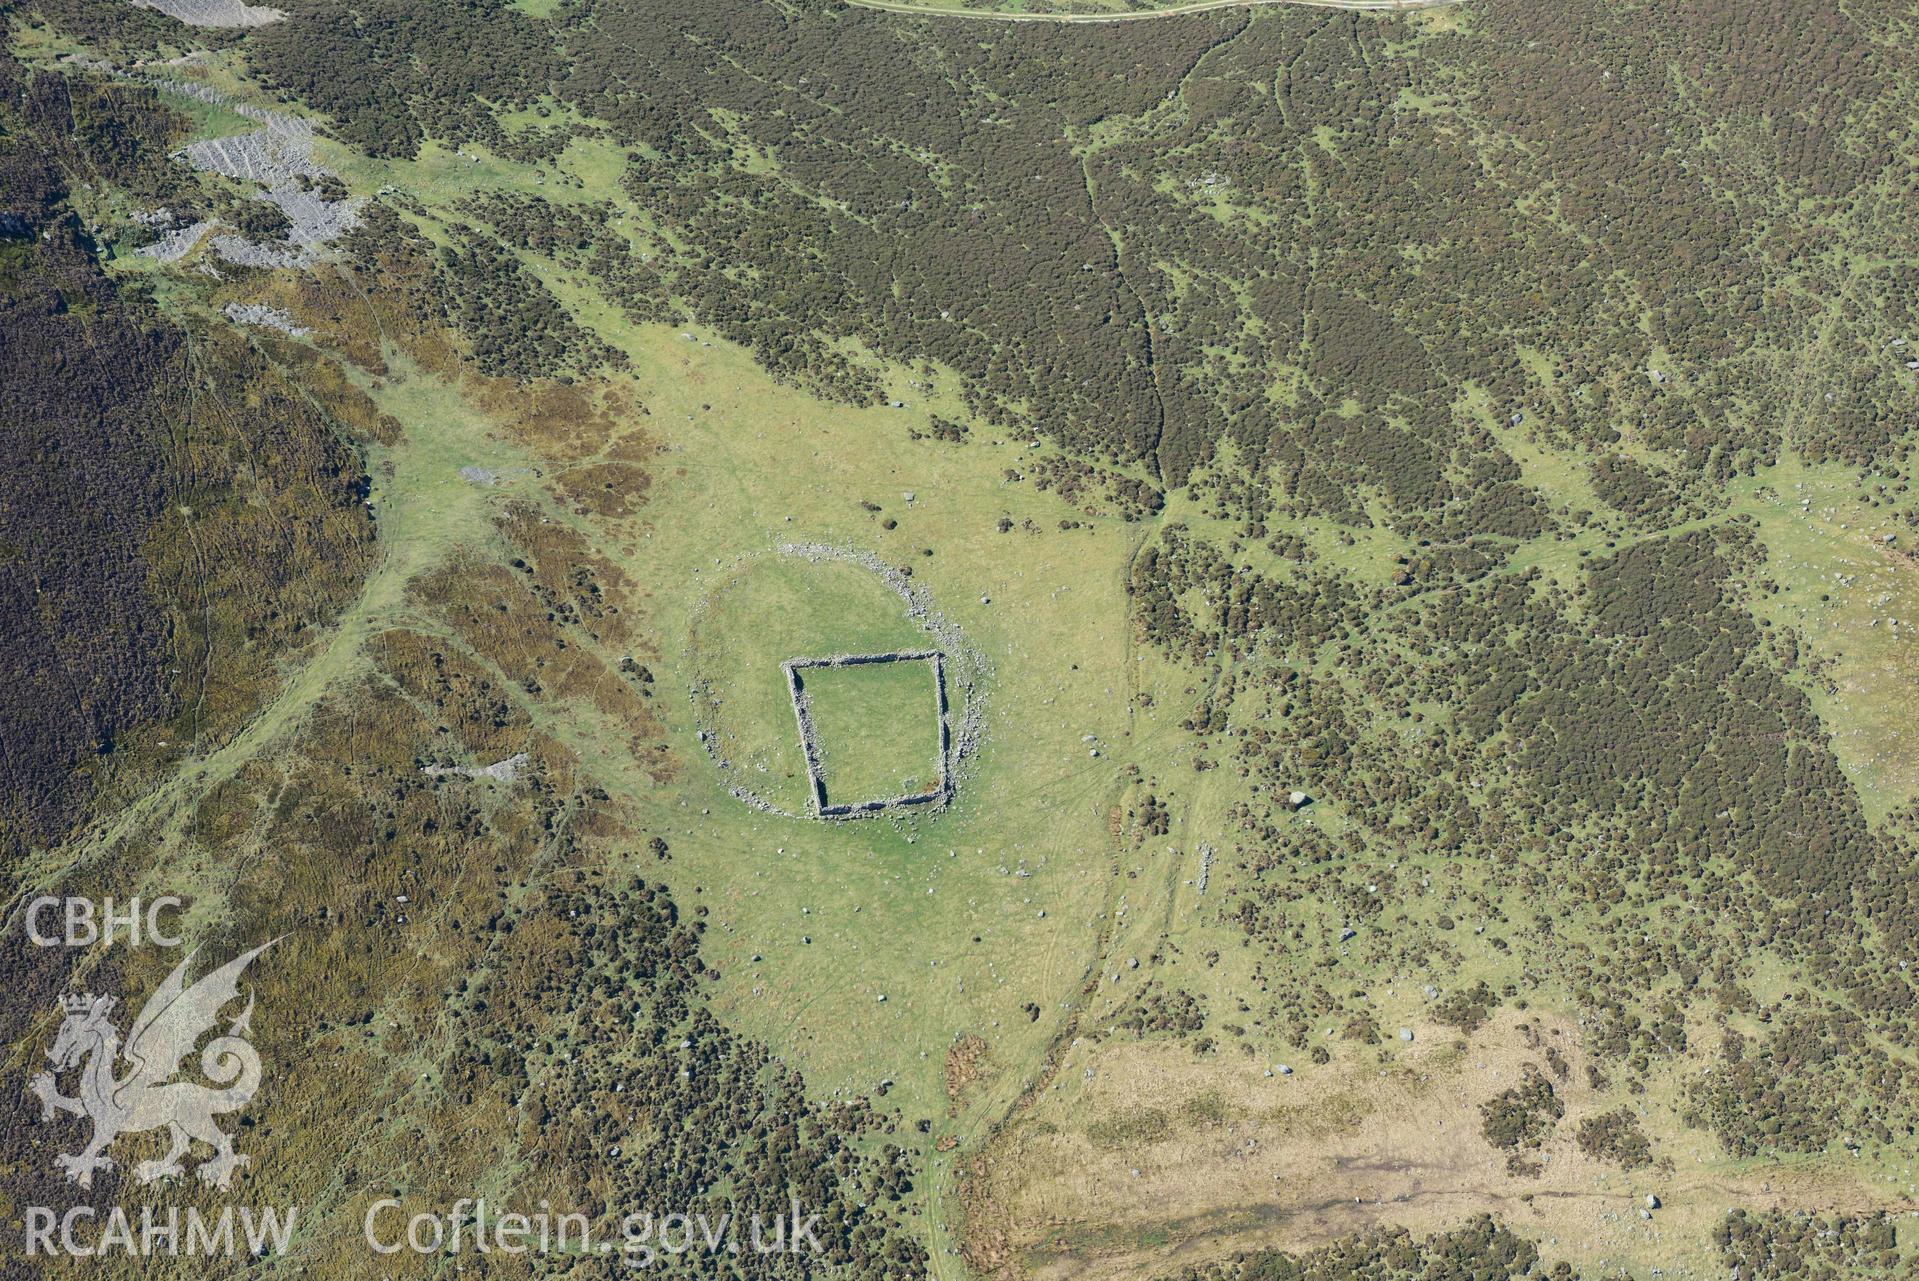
column 946, row 732
column 809, row 742
column 961, row 720
column 855, row 660
column 876, row 807
column 965, row 664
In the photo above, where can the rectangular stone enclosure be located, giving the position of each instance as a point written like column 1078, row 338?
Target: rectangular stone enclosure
column 816, row 753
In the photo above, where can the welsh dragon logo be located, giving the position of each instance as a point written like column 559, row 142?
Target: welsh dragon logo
column 146, row 1097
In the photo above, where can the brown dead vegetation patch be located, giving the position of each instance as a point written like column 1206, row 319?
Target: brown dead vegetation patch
column 1161, row 1159
column 608, row 489
column 580, row 586
column 331, row 304
column 553, row 632
column 462, row 698
column 565, row 423
column 965, row 1065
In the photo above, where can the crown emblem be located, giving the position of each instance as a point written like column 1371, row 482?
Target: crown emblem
column 77, row 1004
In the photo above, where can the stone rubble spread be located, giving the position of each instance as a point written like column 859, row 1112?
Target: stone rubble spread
column 214, row 13
column 277, row 157
column 264, row 317
column 499, row 771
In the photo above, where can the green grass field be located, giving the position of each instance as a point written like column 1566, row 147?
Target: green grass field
column 772, row 609
column 877, row 729
column 863, row 952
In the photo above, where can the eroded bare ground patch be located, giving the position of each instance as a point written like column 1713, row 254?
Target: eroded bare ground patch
column 966, row 1063
column 1146, row 1159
